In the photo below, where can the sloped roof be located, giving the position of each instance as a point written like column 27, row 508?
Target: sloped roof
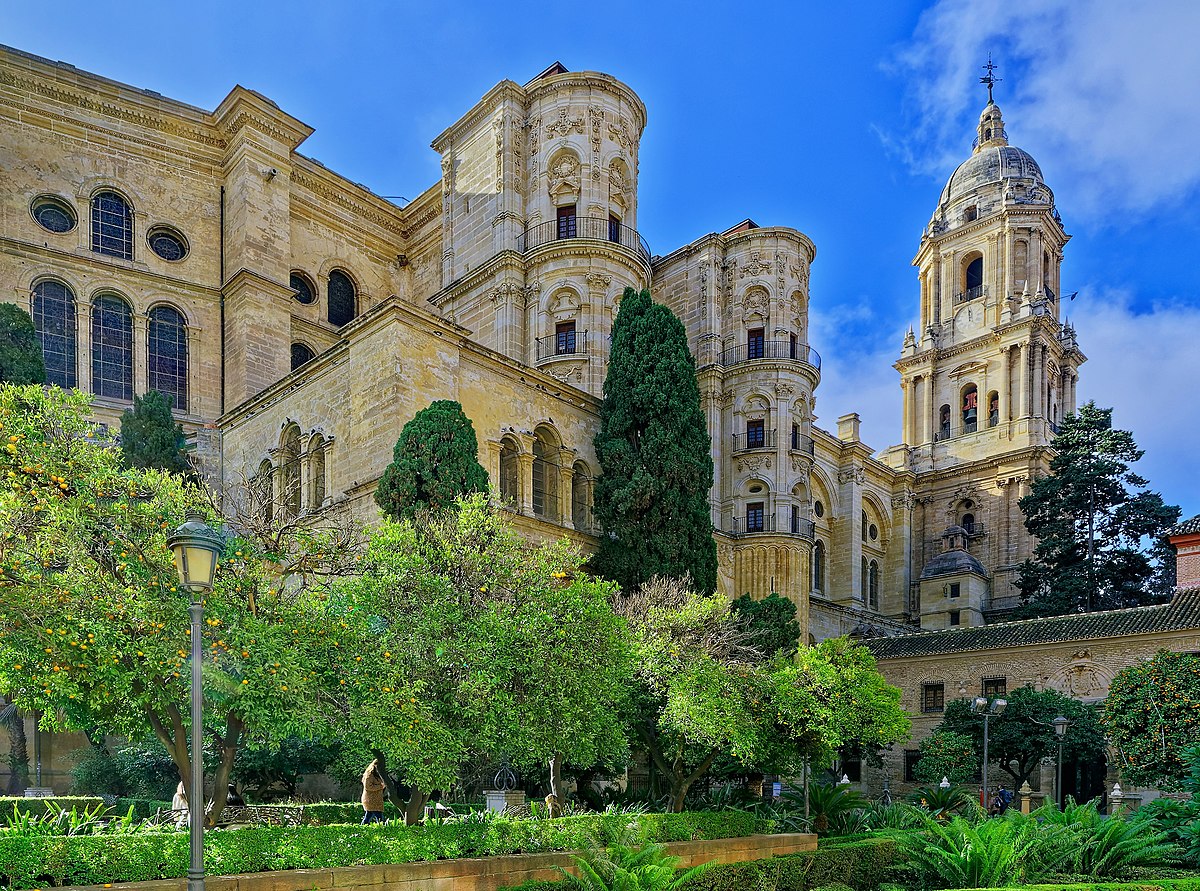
column 1187, row 527
column 1181, row 614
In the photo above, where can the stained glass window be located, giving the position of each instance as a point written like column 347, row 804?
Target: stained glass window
column 53, row 214
column 54, row 320
column 168, row 355
column 301, row 354
column 112, row 348
column 112, row 226
column 341, row 298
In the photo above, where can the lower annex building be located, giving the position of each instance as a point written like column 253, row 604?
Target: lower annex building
column 299, row 321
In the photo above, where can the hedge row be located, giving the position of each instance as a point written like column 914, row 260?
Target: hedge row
column 1191, row 884
column 32, row 861
column 10, row 804
column 860, row 865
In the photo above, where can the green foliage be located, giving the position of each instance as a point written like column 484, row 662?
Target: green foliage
column 862, row 865
column 945, row 753
column 270, row 771
column 771, row 623
column 1094, row 522
column 1024, row 732
column 834, row 809
column 655, row 454
column 1152, row 714
column 37, row 807
column 943, row 803
column 434, row 462
column 151, row 437
column 476, row 641
column 1178, row 819
column 1105, row 846
column 142, row 771
column 623, row 865
column 40, row 861
column 21, row 359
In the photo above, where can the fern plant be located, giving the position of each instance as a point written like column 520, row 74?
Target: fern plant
column 959, row 853
column 621, row 867
column 833, row 809
column 1108, row 846
column 943, row 802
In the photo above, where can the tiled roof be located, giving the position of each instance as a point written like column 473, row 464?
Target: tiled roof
column 1181, row 614
column 1187, row 527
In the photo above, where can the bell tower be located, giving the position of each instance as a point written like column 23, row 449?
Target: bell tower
column 992, row 368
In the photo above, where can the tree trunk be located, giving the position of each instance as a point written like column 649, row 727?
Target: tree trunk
column 172, row 734
column 18, row 753
column 556, row 776
column 229, row 747
column 414, row 808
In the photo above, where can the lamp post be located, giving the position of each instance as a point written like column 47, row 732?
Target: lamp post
column 1060, row 730
column 196, row 548
column 994, row 708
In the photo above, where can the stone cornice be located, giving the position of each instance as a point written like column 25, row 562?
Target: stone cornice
column 505, row 261
column 996, row 335
column 506, row 90
column 358, row 200
column 589, row 80
column 243, row 109
column 315, row 368
column 65, row 84
column 766, row 233
column 564, row 248
column 422, row 210
column 963, row 468
column 248, row 278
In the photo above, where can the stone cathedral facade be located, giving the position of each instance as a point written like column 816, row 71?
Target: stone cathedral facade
column 299, row 320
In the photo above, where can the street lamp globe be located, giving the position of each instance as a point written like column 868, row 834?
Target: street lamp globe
column 196, row 548
column 1060, row 725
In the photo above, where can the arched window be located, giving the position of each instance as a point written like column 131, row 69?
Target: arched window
column 581, row 510
column 864, row 525
column 54, row 321
column 167, row 352
column 944, row 422
column 341, row 298
column 993, row 408
column 973, row 279
column 818, row 567
column 509, row 473
column 305, row 292
column 262, row 491
column 112, row 225
column 968, row 523
column 316, row 470
column 970, row 409
column 289, row 473
column 112, row 348
column 302, row 354
column 873, row 585
column 545, row 478
column 862, row 581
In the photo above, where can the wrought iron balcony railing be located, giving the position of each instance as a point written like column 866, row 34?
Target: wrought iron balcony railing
column 802, row 443
column 753, row 439
column 562, row 344
column 770, row 349
column 970, row 294
column 752, row 524
column 586, row 228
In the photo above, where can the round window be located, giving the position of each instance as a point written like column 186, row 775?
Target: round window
column 818, row 508
column 873, row 532
column 303, row 288
column 754, row 490
column 167, row 243
column 54, row 214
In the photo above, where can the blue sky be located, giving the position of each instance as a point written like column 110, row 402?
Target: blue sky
column 842, row 120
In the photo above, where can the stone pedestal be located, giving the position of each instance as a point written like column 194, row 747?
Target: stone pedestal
column 500, row 800
column 39, row 792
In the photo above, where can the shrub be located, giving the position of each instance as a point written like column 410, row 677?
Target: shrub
column 1104, row 847
column 36, row 807
column 28, row 861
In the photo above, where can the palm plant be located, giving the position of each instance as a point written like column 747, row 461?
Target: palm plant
column 943, row 802
column 621, row 867
column 833, row 809
column 1107, row 846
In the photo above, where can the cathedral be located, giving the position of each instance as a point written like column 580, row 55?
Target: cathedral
column 299, row 320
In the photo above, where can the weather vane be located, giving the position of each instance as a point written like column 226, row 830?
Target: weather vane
column 990, row 79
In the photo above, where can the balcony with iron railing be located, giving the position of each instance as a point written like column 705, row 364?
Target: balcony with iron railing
column 970, row 294
column 753, row 439
column 587, row 228
column 754, row 524
column 562, row 345
column 770, row 349
column 803, row 443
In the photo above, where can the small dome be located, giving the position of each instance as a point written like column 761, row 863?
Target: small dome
column 991, row 164
column 953, row 562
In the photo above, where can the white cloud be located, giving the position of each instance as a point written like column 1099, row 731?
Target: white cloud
column 1106, row 89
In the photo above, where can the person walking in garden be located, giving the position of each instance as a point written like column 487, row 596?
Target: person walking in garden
column 372, row 794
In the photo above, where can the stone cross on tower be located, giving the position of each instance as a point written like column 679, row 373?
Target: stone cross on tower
column 990, row 79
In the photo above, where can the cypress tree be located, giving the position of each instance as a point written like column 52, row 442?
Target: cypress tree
column 655, row 455
column 433, row 463
column 1100, row 532
column 21, row 359
column 151, row 437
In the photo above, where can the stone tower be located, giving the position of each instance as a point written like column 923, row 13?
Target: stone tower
column 991, row 371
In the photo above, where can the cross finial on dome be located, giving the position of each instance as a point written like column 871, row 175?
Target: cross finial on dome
column 990, row 78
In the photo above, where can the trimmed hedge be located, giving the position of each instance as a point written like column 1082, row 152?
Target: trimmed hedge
column 142, row 807
column 1190, row 884
column 10, row 804
column 31, row 861
column 860, row 865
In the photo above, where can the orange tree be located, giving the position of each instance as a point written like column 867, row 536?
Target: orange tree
column 94, row 631
column 479, row 645
column 1152, row 715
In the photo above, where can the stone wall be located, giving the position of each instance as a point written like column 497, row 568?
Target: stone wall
column 483, row 874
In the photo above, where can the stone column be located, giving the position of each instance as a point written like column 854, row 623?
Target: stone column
column 141, row 352
column 930, row 408
column 566, row 492
column 525, row 460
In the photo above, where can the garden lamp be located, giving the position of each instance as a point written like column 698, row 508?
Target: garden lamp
column 196, row 548
column 1060, row 730
column 981, row 706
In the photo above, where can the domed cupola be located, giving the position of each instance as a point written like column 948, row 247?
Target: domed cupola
column 991, row 128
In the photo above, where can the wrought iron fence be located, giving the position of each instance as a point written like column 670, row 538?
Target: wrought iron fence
column 584, row 227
